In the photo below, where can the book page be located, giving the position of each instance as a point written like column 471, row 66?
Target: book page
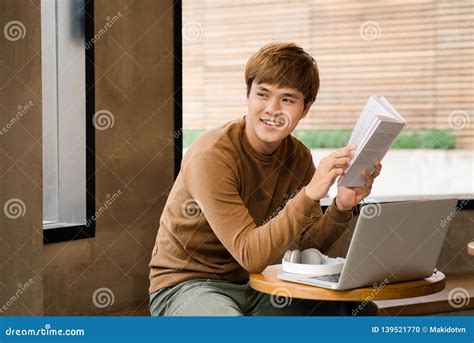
column 363, row 124
column 374, row 149
column 391, row 109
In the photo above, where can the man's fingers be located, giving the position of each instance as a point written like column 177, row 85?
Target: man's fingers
column 378, row 168
column 347, row 151
column 368, row 177
column 336, row 172
column 341, row 162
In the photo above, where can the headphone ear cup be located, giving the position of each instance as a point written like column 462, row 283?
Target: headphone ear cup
column 311, row 256
column 287, row 256
column 295, row 256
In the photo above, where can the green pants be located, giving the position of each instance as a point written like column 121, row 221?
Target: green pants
column 206, row 297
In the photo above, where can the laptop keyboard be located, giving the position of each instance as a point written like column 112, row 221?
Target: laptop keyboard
column 329, row 278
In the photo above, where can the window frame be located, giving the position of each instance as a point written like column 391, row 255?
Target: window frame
column 178, row 85
column 67, row 232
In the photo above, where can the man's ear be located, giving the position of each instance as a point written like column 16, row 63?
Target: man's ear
column 247, row 93
column 306, row 109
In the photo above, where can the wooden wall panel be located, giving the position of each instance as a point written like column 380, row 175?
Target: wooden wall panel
column 21, row 197
column 134, row 81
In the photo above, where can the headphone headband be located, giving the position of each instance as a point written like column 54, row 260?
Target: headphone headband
column 330, row 265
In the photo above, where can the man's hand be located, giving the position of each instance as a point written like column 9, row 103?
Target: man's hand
column 345, row 195
column 330, row 167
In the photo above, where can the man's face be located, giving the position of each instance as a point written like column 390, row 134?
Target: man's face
column 273, row 113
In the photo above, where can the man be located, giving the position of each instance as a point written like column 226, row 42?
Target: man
column 246, row 192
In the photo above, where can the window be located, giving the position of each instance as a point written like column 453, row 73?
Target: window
column 416, row 54
column 67, row 191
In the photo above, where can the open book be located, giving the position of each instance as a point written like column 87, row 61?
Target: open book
column 378, row 126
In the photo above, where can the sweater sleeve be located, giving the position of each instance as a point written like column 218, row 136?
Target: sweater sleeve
column 214, row 186
column 323, row 230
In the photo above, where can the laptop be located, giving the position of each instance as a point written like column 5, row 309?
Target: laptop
column 392, row 242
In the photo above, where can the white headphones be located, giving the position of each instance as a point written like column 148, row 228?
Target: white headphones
column 311, row 262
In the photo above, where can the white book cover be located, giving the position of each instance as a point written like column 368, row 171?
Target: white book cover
column 377, row 128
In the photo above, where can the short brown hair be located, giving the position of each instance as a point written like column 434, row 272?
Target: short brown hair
column 284, row 65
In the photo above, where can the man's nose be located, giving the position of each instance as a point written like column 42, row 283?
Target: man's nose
column 272, row 107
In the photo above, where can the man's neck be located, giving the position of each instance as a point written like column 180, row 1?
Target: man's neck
column 258, row 145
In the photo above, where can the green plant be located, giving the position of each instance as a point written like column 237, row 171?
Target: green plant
column 190, row 135
column 426, row 139
column 316, row 138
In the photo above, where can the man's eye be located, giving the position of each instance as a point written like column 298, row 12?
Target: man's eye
column 261, row 94
column 288, row 100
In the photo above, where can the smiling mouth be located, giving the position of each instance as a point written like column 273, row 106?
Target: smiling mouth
column 273, row 123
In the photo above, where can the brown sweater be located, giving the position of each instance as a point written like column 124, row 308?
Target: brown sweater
column 233, row 211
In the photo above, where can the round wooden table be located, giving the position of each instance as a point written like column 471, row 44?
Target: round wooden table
column 267, row 282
